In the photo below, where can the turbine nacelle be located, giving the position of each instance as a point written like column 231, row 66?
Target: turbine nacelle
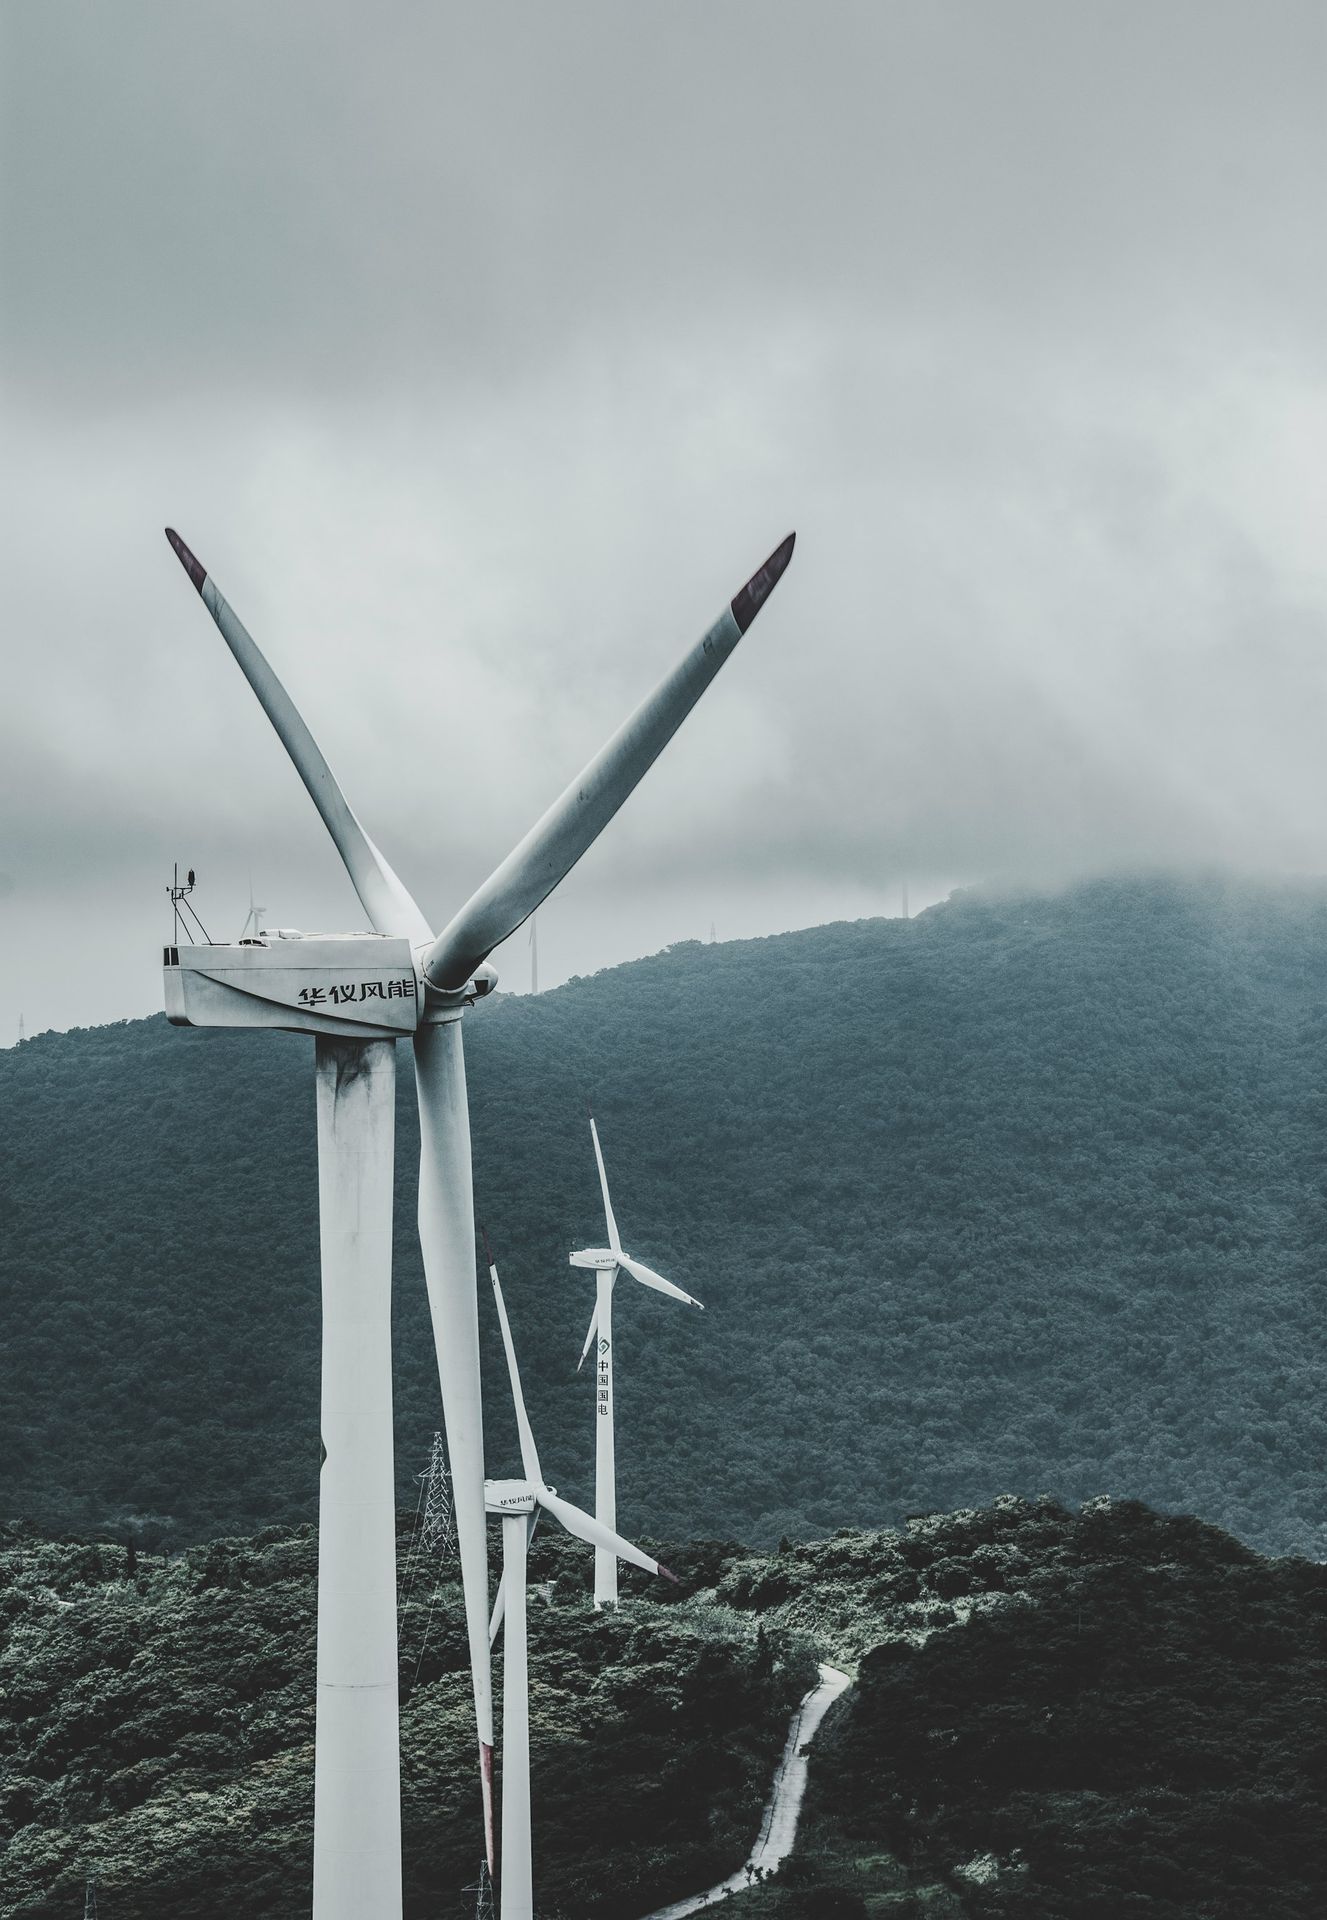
column 509, row 1496
column 362, row 986
column 596, row 1259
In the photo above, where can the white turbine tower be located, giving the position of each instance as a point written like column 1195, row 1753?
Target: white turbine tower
column 358, row 993
column 519, row 1502
column 606, row 1263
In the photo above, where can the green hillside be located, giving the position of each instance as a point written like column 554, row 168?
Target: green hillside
column 156, row 1730
column 1022, row 1195
column 1055, row 1716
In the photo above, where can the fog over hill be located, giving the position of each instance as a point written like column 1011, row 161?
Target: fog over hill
column 1024, row 1195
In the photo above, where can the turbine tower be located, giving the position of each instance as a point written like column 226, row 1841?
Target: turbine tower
column 357, row 994
column 606, row 1263
column 519, row 1504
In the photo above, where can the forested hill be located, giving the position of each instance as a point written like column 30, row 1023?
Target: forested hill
column 1056, row 1716
column 1023, row 1195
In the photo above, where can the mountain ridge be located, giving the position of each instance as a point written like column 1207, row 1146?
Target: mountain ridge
column 1025, row 1194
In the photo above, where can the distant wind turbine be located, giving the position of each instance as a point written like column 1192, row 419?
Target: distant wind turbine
column 534, row 953
column 606, row 1263
column 254, row 918
column 358, row 993
column 519, row 1503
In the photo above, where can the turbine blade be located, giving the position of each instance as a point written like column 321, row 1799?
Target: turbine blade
column 447, row 1241
column 500, row 1604
column 382, row 894
column 499, row 1613
column 596, row 1534
column 529, row 1455
column 574, row 821
column 649, row 1278
column 589, row 1338
column 613, row 1240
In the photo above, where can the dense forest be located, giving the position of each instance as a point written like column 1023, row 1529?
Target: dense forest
column 156, row 1732
column 1025, row 1195
column 1055, row 1716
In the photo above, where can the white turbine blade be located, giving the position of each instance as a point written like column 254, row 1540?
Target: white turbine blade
column 649, row 1278
column 596, row 1534
column 589, row 1338
column 447, row 1242
column 499, row 1614
column 574, row 821
column 613, row 1240
column 500, row 1604
column 529, row 1455
column 382, row 895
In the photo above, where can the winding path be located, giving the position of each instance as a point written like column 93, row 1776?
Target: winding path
column 778, row 1828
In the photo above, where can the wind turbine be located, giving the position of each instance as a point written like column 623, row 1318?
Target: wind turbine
column 254, row 918
column 519, row 1503
column 358, row 993
column 606, row 1263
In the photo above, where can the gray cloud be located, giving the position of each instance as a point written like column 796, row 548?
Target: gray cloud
column 290, row 197
column 481, row 354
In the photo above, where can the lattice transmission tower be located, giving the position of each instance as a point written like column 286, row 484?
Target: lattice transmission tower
column 437, row 1535
column 482, row 1889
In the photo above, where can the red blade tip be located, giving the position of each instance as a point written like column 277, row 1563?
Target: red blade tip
column 747, row 604
column 668, row 1573
column 195, row 569
column 486, row 1783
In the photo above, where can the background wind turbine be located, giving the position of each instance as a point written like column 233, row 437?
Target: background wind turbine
column 357, row 994
column 520, row 1502
column 254, row 917
column 606, row 1263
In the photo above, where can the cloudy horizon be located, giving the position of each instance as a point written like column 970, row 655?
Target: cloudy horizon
column 482, row 357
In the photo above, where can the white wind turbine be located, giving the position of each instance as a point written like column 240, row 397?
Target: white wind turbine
column 358, row 993
column 519, row 1502
column 606, row 1263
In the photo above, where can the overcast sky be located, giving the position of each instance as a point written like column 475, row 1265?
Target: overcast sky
column 481, row 353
